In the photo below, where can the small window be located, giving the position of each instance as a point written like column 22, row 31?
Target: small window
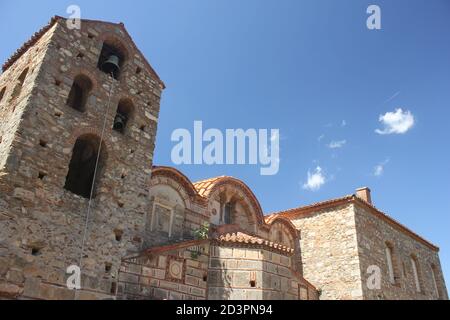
column 436, row 282
column 2, row 93
column 123, row 115
column 162, row 219
column 227, row 215
column 19, row 84
column 79, row 93
column 392, row 263
column 113, row 288
column 118, row 235
column 43, row 143
column 416, row 273
column 35, row 251
column 280, row 236
column 111, row 60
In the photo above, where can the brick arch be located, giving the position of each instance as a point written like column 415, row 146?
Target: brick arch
column 222, row 182
column 127, row 99
column 172, row 184
column 180, row 179
column 121, row 42
column 77, row 71
column 78, row 132
column 124, row 46
column 287, row 223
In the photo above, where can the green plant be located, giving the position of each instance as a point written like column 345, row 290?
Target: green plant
column 195, row 254
column 202, row 233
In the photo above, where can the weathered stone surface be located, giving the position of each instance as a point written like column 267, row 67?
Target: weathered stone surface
column 38, row 131
column 9, row 290
column 133, row 240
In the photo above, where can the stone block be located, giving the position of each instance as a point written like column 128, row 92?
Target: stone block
column 198, row 292
column 9, row 290
column 32, row 287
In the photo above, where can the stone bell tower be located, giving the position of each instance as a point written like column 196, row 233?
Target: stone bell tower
column 79, row 112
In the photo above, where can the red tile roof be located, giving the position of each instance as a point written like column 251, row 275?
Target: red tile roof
column 28, row 44
column 243, row 238
column 204, row 187
column 36, row 36
column 303, row 211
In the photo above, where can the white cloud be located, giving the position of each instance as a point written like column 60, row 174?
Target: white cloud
column 320, row 138
column 397, row 122
column 379, row 168
column 315, row 180
column 344, row 123
column 337, row 144
column 378, row 171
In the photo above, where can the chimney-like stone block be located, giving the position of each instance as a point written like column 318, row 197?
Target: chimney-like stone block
column 364, row 194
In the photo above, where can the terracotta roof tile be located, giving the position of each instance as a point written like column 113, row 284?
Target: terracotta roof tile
column 35, row 38
column 28, row 44
column 204, row 187
column 268, row 219
column 240, row 237
column 302, row 211
column 298, row 210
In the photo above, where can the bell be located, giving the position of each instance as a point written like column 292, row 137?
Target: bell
column 119, row 122
column 111, row 65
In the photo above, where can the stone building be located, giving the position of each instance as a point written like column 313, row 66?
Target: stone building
column 79, row 112
column 343, row 239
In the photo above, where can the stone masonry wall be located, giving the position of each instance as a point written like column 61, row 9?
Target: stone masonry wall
column 41, row 223
column 253, row 274
column 12, row 105
column 373, row 233
column 173, row 275
column 330, row 253
column 12, row 111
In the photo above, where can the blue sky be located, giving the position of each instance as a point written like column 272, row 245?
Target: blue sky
column 304, row 67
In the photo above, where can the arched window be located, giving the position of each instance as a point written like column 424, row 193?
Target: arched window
column 391, row 263
column 227, row 213
column 80, row 178
column 111, row 59
column 79, row 93
column 123, row 115
column 416, row 273
column 280, row 236
column 436, row 282
column 2, row 94
column 19, row 84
